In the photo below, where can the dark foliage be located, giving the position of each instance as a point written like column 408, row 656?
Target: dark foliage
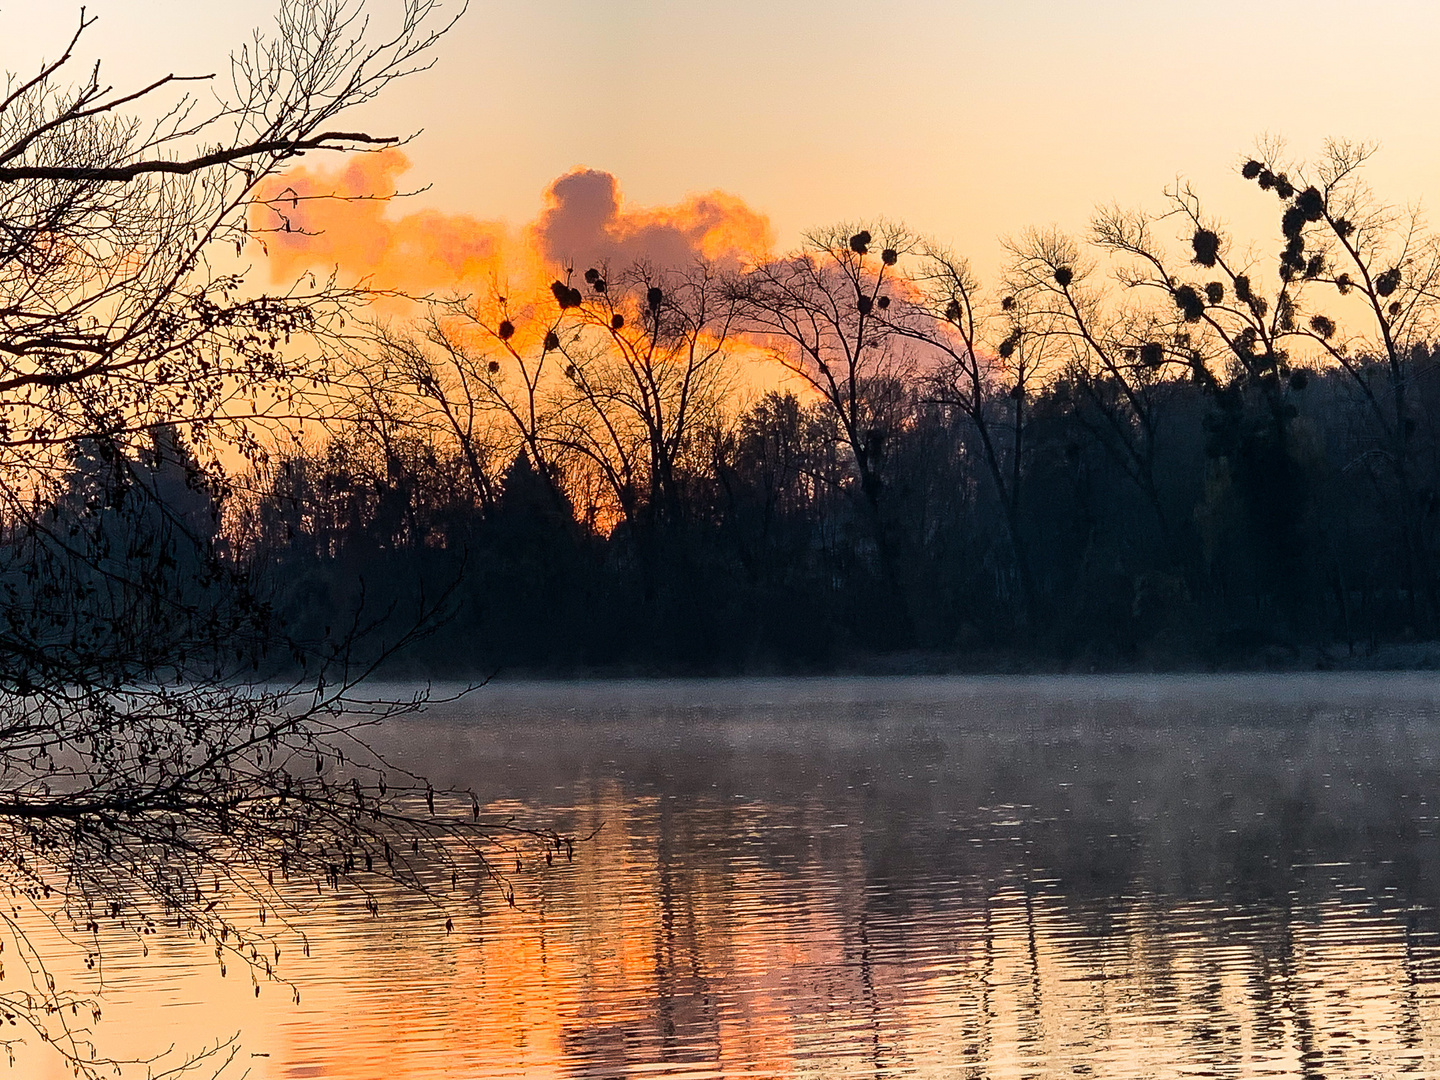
column 770, row 561
column 1207, row 247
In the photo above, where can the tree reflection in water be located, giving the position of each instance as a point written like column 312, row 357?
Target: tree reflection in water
column 928, row 877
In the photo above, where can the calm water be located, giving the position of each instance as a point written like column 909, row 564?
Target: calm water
column 938, row 878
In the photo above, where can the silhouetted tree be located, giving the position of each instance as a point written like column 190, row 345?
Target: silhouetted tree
column 823, row 313
column 1231, row 335
column 148, row 772
column 1366, row 275
column 1135, row 447
column 1111, row 364
column 986, row 382
column 606, row 387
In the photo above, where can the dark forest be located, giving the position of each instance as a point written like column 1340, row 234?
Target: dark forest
column 1135, row 451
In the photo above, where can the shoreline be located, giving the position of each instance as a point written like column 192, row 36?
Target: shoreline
column 1412, row 657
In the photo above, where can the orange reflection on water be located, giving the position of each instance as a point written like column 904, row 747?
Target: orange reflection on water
column 706, row 932
column 660, row 953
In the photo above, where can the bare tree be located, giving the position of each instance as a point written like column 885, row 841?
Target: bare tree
column 990, row 362
column 146, row 775
column 1110, row 361
column 1368, row 275
column 1354, row 285
column 824, row 313
column 117, row 314
column 657, row 374
column 1219, row 317
column 613, row 378
column 435, row 380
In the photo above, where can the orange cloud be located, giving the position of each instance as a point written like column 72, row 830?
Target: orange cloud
column 357, row 231
column 584, row 222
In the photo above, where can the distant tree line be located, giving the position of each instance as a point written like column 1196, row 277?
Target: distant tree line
column 1150, row 444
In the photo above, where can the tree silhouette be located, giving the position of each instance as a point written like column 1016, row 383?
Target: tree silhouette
column 1366, row 274
column 151, row 768
column 1155, row 440
column 823, row 312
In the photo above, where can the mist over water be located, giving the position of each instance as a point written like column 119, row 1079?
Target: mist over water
column 912, row 877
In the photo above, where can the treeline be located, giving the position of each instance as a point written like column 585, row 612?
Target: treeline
column 773, row 558
column 1151, row 446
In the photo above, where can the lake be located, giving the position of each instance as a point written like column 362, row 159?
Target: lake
column 928, row 877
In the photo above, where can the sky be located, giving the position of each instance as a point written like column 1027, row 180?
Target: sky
column 968, row 121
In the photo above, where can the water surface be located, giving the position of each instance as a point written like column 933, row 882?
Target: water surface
column 1133, row 877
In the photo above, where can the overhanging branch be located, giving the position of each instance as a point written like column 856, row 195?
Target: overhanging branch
column 329, row 140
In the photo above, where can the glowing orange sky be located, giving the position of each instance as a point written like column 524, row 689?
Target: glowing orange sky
column 582, row 220
column 967, row 120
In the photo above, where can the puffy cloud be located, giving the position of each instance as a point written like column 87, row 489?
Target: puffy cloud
column 357, row 232
column 584, row 222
